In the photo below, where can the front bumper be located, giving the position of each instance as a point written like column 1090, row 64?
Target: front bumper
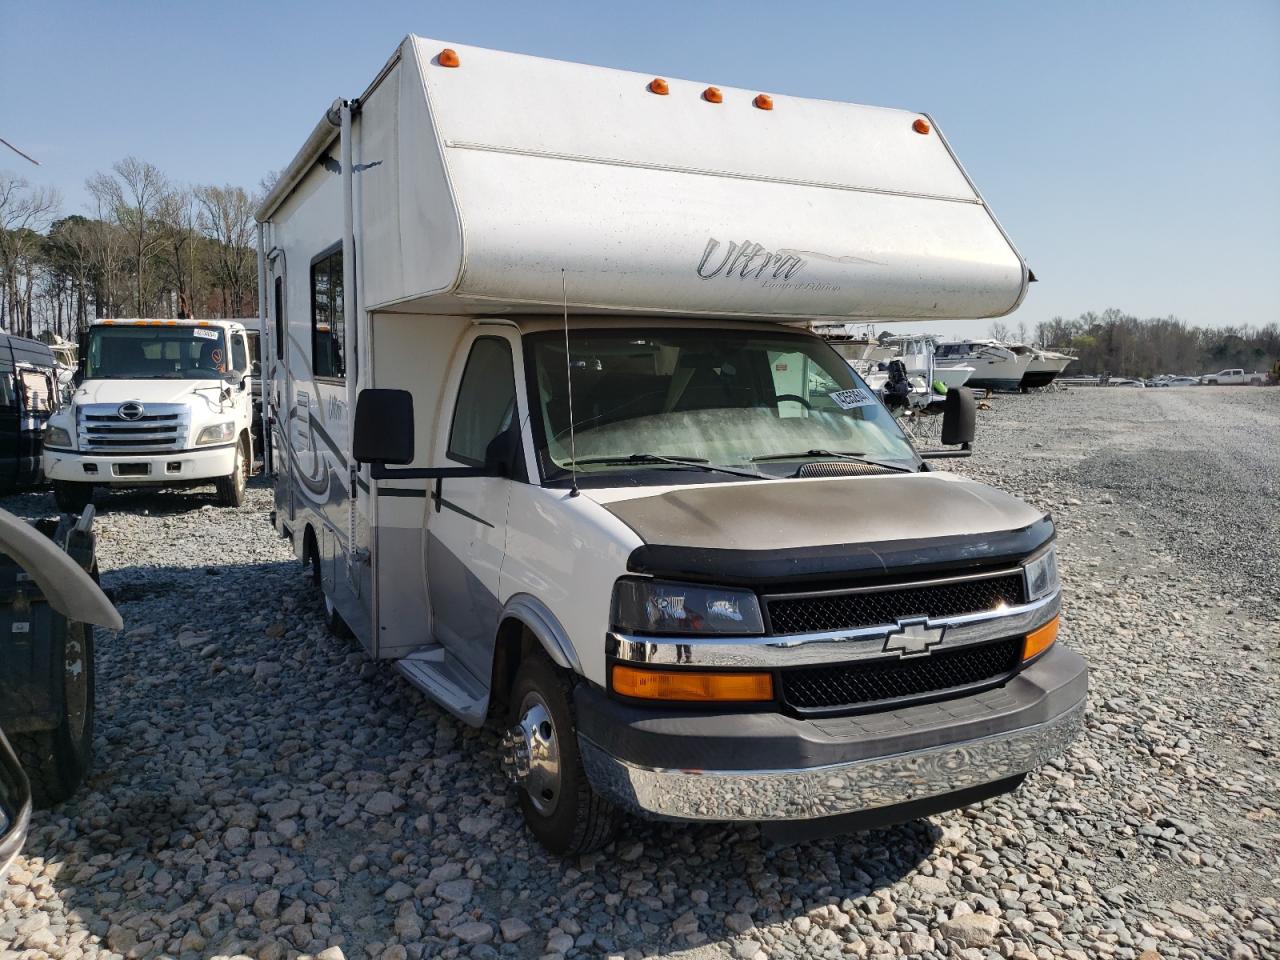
column 684, row 765
column 130, row 469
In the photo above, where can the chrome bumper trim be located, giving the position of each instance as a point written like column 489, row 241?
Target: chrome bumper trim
column 834, row 646
column 803, row 794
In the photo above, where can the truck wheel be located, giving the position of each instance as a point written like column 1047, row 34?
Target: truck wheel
column 231, row 487
column 57, row 760
column 72, row 497
column 540, row 753
column 332, row 618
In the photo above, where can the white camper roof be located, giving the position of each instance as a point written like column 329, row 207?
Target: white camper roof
column 477, row 185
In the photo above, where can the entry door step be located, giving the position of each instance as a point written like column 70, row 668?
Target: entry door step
column 438, row 674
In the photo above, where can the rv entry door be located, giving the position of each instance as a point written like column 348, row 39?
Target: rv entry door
column 467, row 521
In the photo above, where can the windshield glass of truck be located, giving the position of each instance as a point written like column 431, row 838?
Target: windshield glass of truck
column 146, row 353
column 726, row 397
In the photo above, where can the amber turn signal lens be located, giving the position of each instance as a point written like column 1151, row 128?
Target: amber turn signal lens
column 448, row 57
column 659, row 86
column 763, row 101
column 713, row 95
column 920, row 126
column 689, row 685
column 1040, row 639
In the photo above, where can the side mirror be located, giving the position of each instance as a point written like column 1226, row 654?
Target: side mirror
column 959, row 424
column 383, row 430
column 959, row 417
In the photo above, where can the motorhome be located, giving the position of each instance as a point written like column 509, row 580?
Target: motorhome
column 552, row 438
column 156, row 403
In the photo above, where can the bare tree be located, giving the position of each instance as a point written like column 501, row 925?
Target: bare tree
column 25, row 213
column 1022, row 331
column 176, row 219
column 133, row 191
column 998, row 331
column 226, row 218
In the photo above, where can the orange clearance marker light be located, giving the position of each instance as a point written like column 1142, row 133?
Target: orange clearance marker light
column 713, row 95
column 1040, row 639
column 921, row 125
column 659, row 86
column 763, row 101
column 691, row 685
column 449, row 58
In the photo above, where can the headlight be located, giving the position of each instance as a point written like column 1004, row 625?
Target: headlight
column 658, row 606
column 56, row 437
column 218, row 433
column 1042, row 575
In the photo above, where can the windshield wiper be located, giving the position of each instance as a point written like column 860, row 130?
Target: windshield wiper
column 857, row 457
column 697, row 463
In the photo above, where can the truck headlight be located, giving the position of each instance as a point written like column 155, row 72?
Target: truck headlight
column 1042, row 575
column 56, row 437
column 660, row 606
column 218, row 433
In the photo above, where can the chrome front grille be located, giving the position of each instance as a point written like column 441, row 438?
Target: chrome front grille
column 161, row 428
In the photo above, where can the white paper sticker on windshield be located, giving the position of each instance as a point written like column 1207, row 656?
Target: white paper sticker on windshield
column 207, row 334
column 849, row 399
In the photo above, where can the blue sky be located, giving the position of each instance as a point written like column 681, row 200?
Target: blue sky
column 1131, row 149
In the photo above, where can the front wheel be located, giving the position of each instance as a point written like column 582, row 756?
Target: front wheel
column 231, row 487
column 72, row 497
column 56, row 760
column 540, row 753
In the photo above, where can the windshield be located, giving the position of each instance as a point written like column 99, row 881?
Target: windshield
column 160, row 352
column 761, row 401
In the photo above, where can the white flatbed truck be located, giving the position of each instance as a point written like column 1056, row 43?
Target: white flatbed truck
column 550, row 437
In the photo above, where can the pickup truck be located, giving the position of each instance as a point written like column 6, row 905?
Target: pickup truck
column 1233, row 378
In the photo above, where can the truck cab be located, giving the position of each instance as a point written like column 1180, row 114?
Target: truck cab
column 554, row 437
column 155, row 403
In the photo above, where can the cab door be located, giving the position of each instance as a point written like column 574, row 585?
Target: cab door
column 467, row 517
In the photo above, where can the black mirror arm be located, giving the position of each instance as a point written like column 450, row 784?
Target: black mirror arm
column 380, row 471
column 966, row 450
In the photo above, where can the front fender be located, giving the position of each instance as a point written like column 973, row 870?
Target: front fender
column 542, row 623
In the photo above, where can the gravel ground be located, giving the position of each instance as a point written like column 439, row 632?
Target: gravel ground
column 261, row 789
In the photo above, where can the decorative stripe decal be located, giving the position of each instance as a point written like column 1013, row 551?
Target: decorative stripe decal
column 401, row 492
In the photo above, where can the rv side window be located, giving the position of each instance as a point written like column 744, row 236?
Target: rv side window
column 279, row 317
column 326, row 317
column 486, row 400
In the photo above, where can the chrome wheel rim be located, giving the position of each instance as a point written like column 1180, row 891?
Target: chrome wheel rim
column 531, row 754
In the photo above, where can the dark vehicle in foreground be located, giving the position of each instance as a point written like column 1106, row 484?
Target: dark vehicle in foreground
column 28, row 395
column 49, row 602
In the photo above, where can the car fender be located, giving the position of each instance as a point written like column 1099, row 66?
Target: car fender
column 542, row 623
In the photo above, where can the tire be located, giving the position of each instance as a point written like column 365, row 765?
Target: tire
column 57, row 760
column 231, row 487
column 72, row 497
column 568, row 817
column 332, row 618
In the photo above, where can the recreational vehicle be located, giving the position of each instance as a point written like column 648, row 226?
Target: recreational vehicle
column 552, row 437
column 29, row 393
column 156, row 403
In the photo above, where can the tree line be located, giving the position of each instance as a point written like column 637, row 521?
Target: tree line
column 149, row 247
column 1123, row 345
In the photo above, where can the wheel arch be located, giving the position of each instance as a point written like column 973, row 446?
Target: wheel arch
column 526, row 626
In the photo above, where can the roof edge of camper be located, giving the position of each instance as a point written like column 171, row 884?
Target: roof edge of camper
column 322, row 136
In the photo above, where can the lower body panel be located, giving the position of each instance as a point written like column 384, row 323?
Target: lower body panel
column 132, row 470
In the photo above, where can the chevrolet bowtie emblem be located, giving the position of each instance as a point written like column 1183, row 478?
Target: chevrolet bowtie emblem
column 913, row 638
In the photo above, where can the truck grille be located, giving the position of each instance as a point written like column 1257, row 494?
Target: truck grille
column 818, row 612
column 162, row 427
column 842, row 687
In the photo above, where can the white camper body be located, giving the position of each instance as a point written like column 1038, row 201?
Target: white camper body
column 441, row 238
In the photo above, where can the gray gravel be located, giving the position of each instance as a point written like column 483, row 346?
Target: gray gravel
column 261, row 789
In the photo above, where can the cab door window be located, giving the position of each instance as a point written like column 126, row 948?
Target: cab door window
column 486, row 400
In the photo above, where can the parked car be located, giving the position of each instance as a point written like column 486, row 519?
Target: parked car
column 1234, row 377
column 1183, row 382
